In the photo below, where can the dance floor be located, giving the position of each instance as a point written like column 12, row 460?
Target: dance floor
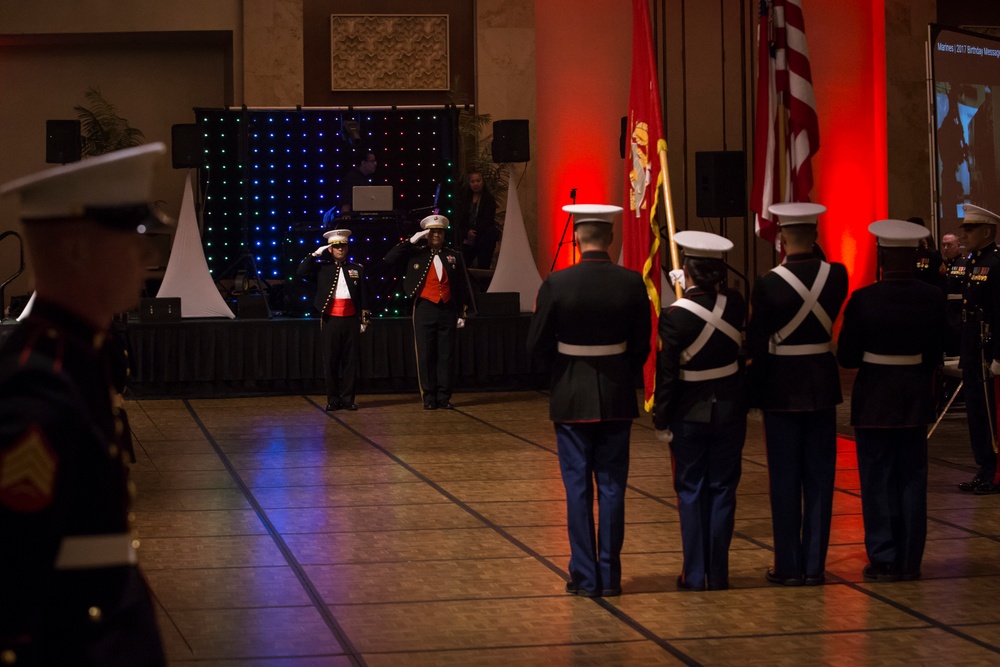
column 275, row 533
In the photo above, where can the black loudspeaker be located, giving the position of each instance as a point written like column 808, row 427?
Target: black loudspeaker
column 62, row 141
column 251, row 306
column 187, row 148
column 167, row 309
column 720, row 188
column 510, row 141
column 498, row 304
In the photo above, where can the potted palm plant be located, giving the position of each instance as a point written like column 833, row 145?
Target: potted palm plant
column 102, row 128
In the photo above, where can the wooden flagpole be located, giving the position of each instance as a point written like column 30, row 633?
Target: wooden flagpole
column 671, row 227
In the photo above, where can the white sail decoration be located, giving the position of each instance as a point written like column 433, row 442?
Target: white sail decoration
column 516, row 270
column 187, row 275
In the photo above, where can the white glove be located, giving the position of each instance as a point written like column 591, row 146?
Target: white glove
column 319, row 251
column 364, row 327
column 419, row 235
column 677, row 277
column 460, row 323
column 995, row 367
column 666, row 435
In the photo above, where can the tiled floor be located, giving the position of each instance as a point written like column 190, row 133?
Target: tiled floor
column 274, row 533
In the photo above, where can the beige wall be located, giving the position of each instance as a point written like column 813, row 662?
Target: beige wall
column 272, row 48
column 505, row 69
column 908, row 123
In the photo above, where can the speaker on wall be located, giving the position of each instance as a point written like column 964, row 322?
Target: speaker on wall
column 510, row 141
column 187, row 149
column 720, row 184
column 62, row 141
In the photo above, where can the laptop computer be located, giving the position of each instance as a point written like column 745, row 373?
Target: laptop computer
column 371, row 198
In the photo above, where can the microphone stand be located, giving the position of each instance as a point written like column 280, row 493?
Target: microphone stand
column 562, row 237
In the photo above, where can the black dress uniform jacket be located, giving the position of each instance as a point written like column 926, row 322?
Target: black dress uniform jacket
column 981, row 308
column 927, row 267
column 954, row 286
column 63, row 475
column 895, row 316
column 419, row 259
column 327, row 274
column 696, row 401
column 793, row 383
column 595, row 302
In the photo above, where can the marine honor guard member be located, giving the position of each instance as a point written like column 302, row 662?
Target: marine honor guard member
column 700, row 407
column 954, row 272
column 71, row 592
column 436, row 282
column 979, row 356
column 342, row 301
column 591, row 327
column 793, row 377
column 894, row 333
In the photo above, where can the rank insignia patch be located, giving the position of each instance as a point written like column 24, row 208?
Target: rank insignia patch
column 28, row 473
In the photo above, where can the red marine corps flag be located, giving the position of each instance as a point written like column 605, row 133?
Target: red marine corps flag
column 645, row 178
column 787, row 129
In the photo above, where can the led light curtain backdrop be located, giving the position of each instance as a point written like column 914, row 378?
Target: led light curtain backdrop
column 270, row 177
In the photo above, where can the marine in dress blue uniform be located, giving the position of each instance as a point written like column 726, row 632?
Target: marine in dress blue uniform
column 793, row 377
column 700, row 407
column 71, row 592
column 342, row 301
column 979, row 356
column 894, row 333
column 436, row 282
column 591, row 327
column 954, row 286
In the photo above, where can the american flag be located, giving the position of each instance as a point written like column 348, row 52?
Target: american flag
column 787, row 129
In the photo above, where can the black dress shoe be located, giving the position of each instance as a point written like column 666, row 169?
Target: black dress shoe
column 775, row 578
column 430, row 405
column 686, row 586
column 330, row 407
column 969, row 487
column 611, row 592
column 350, row 406
column 815, row 581
column 446, row 405
column 879, row 573
column 574, row 589
column 987, row 489
column 909, row 576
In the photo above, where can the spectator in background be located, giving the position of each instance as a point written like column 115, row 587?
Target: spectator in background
column 950, row 247
column 360, row 174
column 927, row 259
column 476, row 222
column 953, row 258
